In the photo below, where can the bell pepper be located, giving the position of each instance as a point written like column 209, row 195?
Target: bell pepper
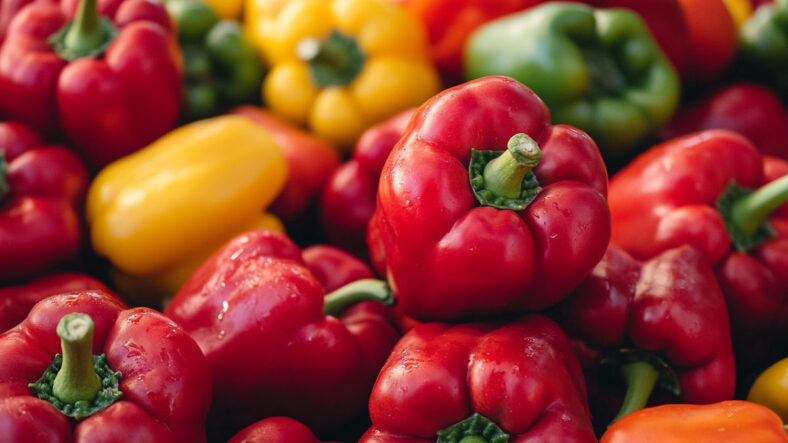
column 17, row 301
column 728, row 421
column 310, row 162
column 275, row 430
column 8, row 9
column 460, row 232
column 221, row 69
column 697, row 190
column 481, row 383
column 770, row 389
column 348, row 200
column 763, row 44
column 110, row 83
column 663, row 320
column 41, row 192
column 83, row 368
column 160, row 212
column 339, row 67
column 227, row 9
column 740, row 11
column 597, row 69
column 712, row 37
column 751, row 110
column 257, row 292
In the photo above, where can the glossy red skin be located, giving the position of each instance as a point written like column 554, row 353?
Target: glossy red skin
column 522, row 375
column 107, row 107
column 666, row 198
column 310, row 162
column 17, row 301
column 448, row 258
column 275, row 430
column 348, row 200
column 749, row 109
column 39, row 218
column 712, row 37
column 165, row 381
column 9, row 8
column 670, row 305
column 256, row 311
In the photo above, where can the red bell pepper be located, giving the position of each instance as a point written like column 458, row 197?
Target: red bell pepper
column 751, row 110
column 477, row 382
column 311, row 360
column 661, row 320
column 41, row 193
column 507, row 239
column 111, row 86
column 160, row 392
column 348, row 200
column 275, row 430
column 310, row 162
column 693, row 190
column 712, row 37
column 8, row 9
column 17, row 301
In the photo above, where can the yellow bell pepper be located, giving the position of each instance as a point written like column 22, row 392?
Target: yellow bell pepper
column 158, row 213
column 771, row 389
column 740, row 10
column 340, row 66
column 227, row 9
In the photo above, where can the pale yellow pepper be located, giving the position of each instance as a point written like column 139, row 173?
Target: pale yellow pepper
column 160, row 212
column 340, row 66
column 227, row 9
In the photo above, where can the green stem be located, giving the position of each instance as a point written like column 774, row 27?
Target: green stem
column 334, row 61
column 641, row 378
column 5, row 188
column 504, row 175
column 85, row 33
column 474, row 429
column 77, row 379
column 357, row 292
column 750, row 212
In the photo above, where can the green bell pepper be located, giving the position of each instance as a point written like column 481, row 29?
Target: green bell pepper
column 221, row 69
column 763, row 43
column 596, row 69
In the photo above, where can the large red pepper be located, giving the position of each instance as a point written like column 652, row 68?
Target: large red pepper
column 17, row 301
column 670, row 195
column 477, row 382
column 749, row 109
column 111, row 86
column 507, row 238
column 41, row 193
column 274, row 347
column 275, row 430
column 664, row 320
column 150, row 383
column 348, row 200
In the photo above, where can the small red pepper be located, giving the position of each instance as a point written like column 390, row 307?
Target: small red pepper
column 697, row 190
column 660, row 321
column 460, row 232
column 314, row 360
column 348, row 200
column 41, row 192
column 17, row 301
column 111, row 86
column 478, row 382
column 150, row 382
column 275, row 430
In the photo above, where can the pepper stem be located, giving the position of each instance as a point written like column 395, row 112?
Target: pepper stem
column 85, row 33
column 357, row 292
column 750, row 212
column 641, row 378
column 474, row 429
column 334, row 61
column 5, row 188
column 504, row 175
column 77, row 379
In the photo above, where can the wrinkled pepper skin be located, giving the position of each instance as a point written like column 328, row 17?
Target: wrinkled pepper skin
column 165, row 383
column 670, row 306
column 257, row 293
column 666, row 198
column 310, row 162
column 596, row 69
column 724, row 422
column 446, row 256
column 749, row 109
column 42, row 188
column 521, row 376
column 763, row 43
column 348, row 200
column 107, row 107
column 770, row 389
column 340, row 66
column 17, row 301
column 275, row 430
column 160, row 212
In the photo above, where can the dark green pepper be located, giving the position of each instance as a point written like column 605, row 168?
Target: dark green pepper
column 763, row 43
column 221, row 69
column 596, row 69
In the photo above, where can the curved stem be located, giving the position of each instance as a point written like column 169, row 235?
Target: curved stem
column 750, row 212
column 357, row 292
column 641, row 377
column 5, row 188
column 77, row 379
column 85, row 33
column 333, row 61
column 504, row 175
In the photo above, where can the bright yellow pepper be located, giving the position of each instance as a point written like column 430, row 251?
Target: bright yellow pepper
column 158, row 213
column 771, row 389
column 740, row 10
column 227, row 9
column 340, row 66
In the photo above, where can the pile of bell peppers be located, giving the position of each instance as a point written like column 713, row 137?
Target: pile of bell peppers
column 389, row 221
